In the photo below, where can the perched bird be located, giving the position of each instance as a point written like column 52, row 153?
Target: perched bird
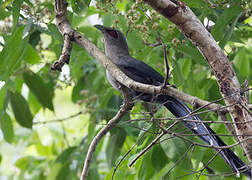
column 116, row 49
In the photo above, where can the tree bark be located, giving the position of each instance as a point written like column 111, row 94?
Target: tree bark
column 191, row 27
column 185, row 20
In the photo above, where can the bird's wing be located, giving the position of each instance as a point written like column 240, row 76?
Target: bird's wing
column 139, row 71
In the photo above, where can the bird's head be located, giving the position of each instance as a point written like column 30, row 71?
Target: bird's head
column 115, row 42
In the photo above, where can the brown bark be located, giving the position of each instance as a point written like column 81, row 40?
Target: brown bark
column 185, row 20
column 189, row 25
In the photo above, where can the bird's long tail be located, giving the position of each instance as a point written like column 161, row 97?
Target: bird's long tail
column 180, row 109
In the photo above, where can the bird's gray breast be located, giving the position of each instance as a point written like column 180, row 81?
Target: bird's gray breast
column 113, row 81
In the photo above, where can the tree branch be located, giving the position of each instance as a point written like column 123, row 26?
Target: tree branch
column 233, row 93
column 151, row 144
column 185, row 20
column 65, row 28
column 127, row 105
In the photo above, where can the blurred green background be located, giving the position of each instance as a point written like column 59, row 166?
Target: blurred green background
column 48, row 118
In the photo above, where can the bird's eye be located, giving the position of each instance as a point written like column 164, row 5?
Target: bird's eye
column 113, row 33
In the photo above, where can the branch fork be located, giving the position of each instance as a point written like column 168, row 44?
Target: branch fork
column 191, row 27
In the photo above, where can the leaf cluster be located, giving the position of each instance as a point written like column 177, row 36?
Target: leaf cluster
column 31, row 94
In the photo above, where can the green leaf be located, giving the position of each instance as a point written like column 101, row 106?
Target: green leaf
column 146, row 170
column 12, row 53
column 79, row 6
column 33, row 102
column 91, row 132
column 134, row 41
column 34, row 38
column 78, row 61
column 39, row 89
column 3, row 93
column 177, row 73
column 16, row 11
column 64, row 156
column 158, row 158
column 21, row 109
column 93, row 172
column 229, row 32
column 241, row 34
column 242, row 62
column 194, row 3
column 3, row 13
column 25, row 163
column 76, row 92
column 56, row 167
column 113, row 104
column 31, row 55
column 43, row 150
column 7, row 127
column 225, row 19
column 108, row 19
column 186, row 66
column 175, row 149
column 193, row 53
column 121, row 5
column 163, row 172
column 54, row 32
column 114, row 146
column 64, row 172
column 17, row 83
column 120, row 172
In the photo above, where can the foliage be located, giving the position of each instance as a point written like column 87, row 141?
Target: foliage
column 33, row 146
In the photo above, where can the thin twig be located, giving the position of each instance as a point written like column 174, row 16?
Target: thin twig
column 58, row 120
column 215, row 155
column 167, row 69
column 125, row 155
column 227, row 123
column 210, row 146
column 182, row 157
column 225, row 75
column 159, row 125
column 150, row 145
column 246, row 108
column 153, row 44
column 246, row 93
column 112, row 123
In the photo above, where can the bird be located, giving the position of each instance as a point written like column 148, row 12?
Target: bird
column 116, row 49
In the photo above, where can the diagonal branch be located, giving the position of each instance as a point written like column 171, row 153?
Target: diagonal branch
column 65, row 28
column 71, row 35
column 185, row 20
column 127, row 105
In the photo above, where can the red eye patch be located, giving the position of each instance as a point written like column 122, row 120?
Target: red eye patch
column 113, row 33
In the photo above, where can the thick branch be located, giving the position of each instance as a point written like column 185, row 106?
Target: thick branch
column 65, row 28
column 185, row 20
column 194, row 26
